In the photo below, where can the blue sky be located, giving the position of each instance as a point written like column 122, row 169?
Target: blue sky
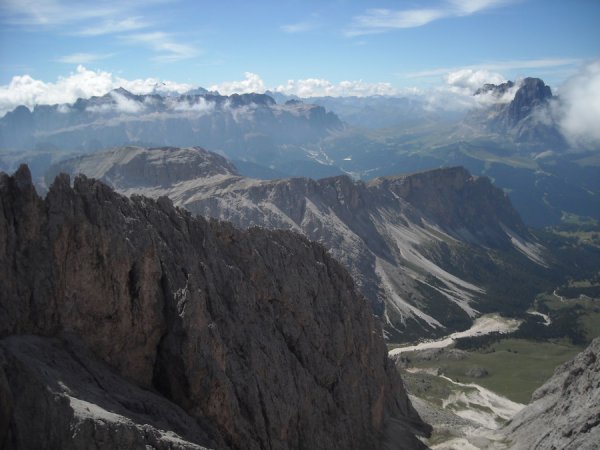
column 403, row 44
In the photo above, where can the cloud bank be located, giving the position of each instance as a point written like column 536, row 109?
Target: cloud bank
column 251, row 83
column 308, row 87
column 576, row 112
column 83, row 83
column 473, row 79
column 318, row 87
column 579, row 107
column 167, row 49
column 83, row 58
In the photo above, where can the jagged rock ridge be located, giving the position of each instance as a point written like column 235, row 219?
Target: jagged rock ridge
column 408, row 241
column 259, row 336
column 249, row 127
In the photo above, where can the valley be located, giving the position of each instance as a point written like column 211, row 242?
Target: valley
column 487, row 374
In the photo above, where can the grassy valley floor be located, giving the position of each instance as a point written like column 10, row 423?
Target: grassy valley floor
column 513, row 368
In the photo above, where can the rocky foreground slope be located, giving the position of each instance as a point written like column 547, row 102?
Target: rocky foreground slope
column 429, row 250
column 126, row 322
column 565, row 412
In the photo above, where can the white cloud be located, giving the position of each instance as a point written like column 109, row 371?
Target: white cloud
column 113, row 26
column 447, row 99
column 473, row 79
column 83, row 83
column 199, row 106
column 89, row 19
column 55, row 12
column 163, row 43
column 457, row 93
column 540, row 63
column 382, row 20
column 82, row 58
column 309, row 87
column 120, row 104
column 466, row 7
column 579, row 106
column 150, row 85
column 251, row 83
column 126, row 105
column 299, row 27
column 315, row 87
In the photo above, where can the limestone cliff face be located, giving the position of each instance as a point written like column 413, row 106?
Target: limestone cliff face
column 424, row 248
column 564, row 413
column 526, row 120
column 469, row 207
column 257, row 335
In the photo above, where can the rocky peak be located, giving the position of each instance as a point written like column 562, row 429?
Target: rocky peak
column 532, row 93
column 462, row 204
column 526, row 120
column 127, row 167
column 498, row 90
column 250, row 99
column 124, row 92
column 258, row 336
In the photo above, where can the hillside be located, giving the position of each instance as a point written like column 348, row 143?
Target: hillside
column 426, row 249
column 250, row 339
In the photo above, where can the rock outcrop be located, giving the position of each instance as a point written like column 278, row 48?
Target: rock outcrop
column 57, row 395
column 526, row 119
column 425, row 248
column 564, row 413
column 255, row 339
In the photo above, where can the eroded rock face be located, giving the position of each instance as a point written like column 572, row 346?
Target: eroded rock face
column 56, row 394
column 258, row 335
column 526, row 120
column 564, row 412
column 424, row 248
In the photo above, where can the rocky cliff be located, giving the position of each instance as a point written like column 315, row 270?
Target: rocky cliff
column 564, row 413
column 526, row 119
column 425, row 248
column 178, row 332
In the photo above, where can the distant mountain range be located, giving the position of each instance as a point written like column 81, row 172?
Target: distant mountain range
column 431, row 250
column 248, row 127
column 512, row 138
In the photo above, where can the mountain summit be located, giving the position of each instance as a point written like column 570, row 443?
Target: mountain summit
column 527, row 119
